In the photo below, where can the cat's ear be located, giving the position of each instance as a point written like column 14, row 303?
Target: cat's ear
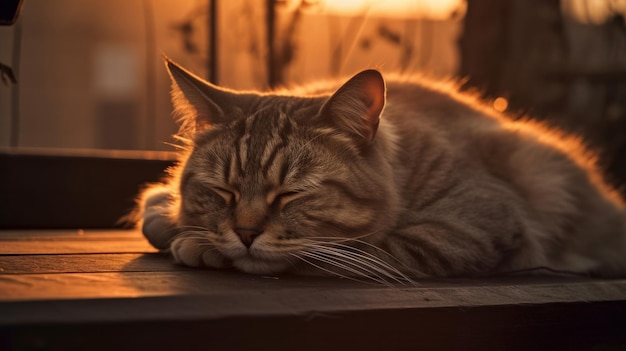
column 197, row 101
column 356, row 106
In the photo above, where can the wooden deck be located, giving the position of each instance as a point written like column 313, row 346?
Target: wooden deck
column 110, row 290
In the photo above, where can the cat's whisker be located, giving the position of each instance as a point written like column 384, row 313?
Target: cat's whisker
column 372, row 262
column 395, row 259
column 328, row 240
column 368, row 269
column 366, row 259
column 328, row 270
column 351, row 248
column 342, row 239
column 184, row 141
column 351, row 265
column 316, row 256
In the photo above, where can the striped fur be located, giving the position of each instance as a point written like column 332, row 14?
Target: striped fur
column 434, row 185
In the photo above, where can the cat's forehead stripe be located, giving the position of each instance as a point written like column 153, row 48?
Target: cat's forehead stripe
column 242, row 151
column 278, row 142
column 259, row 152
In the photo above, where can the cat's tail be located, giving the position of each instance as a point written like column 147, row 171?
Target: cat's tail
column 156, row 221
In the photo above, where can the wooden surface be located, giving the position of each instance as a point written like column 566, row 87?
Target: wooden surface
column 112, row 290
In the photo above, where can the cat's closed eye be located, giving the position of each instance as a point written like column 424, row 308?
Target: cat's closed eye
column 227, row 195
column 282, row 199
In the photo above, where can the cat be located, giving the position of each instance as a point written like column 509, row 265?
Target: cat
column 388, row 179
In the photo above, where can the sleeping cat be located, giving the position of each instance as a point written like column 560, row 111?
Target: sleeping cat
column 388, row 180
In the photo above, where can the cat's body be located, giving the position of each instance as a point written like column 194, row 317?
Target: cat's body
column 441, row 187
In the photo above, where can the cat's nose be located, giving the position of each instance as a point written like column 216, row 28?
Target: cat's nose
column 247, row 235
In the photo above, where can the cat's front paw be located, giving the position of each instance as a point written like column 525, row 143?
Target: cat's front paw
column 158, row 225
column 196, row 252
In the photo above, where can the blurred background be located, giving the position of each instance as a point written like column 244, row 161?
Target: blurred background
column 90, row 74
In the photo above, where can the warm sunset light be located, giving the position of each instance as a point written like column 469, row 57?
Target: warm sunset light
column 289, row 174
column 593, row 11
column 437, row 9
column 500, row 104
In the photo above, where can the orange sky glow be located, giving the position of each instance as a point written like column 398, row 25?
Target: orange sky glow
column 436, row 9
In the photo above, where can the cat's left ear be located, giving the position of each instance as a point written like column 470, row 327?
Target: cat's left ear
column 199, row 102
column 356, row 106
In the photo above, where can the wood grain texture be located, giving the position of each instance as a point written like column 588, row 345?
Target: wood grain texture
column 296, row 294
column 78, row 235
column 112, row 264
column 67, row 289
column 87, row 263
column 73, row 242
column 73, row 247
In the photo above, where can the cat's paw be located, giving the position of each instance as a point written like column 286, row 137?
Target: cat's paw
column 157, row 224
column 194, row 252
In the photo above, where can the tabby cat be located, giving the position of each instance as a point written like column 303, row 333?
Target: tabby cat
column 388, row 180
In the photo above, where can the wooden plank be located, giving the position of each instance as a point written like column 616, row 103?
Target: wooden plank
column 212, row 283
column 142, row 284
column 87, row 263
column 73, row 242
column 91, row 153
column 74, row 247
column 57, row 299
column 74, row 234
column 76, row 286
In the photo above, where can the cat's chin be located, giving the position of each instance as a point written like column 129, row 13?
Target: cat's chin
column 260, row 266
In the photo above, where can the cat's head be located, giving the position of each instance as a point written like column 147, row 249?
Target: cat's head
column 276, row 179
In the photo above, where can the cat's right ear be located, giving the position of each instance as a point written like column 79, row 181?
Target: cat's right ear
column 197, row 102
column 356, row 106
